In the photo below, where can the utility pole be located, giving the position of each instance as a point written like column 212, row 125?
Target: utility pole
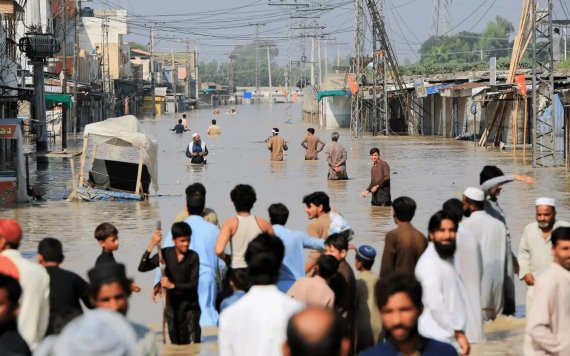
column 174, row 77
column 231, row 71
column 312, row 56
column 75, row 121
column 196, row 76
column 326, row 59
column 269, row 68
column 257, row 58
column 63, row 75
column 320, row 60
column 153, row 110
column 356, row 70
column 188, row 77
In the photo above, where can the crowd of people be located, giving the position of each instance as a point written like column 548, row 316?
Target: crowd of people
column 272, row 290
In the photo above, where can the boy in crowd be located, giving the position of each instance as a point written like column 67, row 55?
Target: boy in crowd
column 11, row 342
column 66, row 288
column 344, row 283
column 108, row 237
column 180, row 280
column 315, row 290
column 368, row 325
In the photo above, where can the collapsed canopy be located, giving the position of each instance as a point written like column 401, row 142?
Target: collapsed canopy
column 125, row 131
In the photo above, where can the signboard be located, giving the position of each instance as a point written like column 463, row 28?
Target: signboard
column 521, row 84
column 420, row 88
column 8, row 131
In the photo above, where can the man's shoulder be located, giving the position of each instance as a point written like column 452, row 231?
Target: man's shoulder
column 435, row 347
column 384, row 348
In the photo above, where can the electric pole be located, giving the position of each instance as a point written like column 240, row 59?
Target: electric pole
column 75, row 121
column 269, row 67
column 63, row 75
column 153, row 110
column 174, row 78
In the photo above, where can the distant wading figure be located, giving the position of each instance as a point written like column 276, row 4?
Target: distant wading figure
column 197, row 150
column 379, row 180
column 277, row 145
column 311, row 145
column 336, row 158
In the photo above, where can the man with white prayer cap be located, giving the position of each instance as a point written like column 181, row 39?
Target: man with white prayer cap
column 535, row 249
column 492, row 236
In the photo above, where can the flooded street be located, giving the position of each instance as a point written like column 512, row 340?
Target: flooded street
column 429, row 170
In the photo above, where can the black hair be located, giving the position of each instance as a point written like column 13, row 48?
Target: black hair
column 556, row 30
column 12, row 287
column 311, row 130
column 213, row 121
column 328, row 344
column 366, row 264
column 338, row 241
column 123, row 281
column 278, row 214
column 62, row 318
column 334, row 136
column 243, row 196
column 560, row 233
column 105, row 230
column 179, row 121
column 374, row 150
column 328, row 266
column 489, row 172
column 454, row 206
column 404, row 208
column 51, row 250
column 398, row 282
column 195, row 204
column 180, row 229
column 184, row 115
column 264, row 256
column 318, row 198
column 196, row 188
column 240, row 278
column 436, row 219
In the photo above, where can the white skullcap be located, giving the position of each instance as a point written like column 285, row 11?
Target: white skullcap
column 195, row 135
column 275, row 130
column 475, row 194
column 545, row 201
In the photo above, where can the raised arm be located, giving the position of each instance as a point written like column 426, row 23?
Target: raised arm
column 265, row 226
column 224, row 237
column 148, row 263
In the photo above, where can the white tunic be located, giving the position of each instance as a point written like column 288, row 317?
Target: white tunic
column 256, row 324
column 469, row 266
column 548, row 323
column 492, row 237
column 443, row 298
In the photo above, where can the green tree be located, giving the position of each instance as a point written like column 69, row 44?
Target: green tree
column 495, row 38
column 137, row 45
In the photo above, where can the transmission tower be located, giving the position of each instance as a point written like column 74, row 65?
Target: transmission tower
column 356, row 70
column 379, row 98
column 440, row 18
column 105, row 68
column 544, row 138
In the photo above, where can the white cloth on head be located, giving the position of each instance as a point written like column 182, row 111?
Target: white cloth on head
column 97, row 333
column 194, row 135
column 256, row 324
column 492, row 236
column 33, row 317
column 443, row 298
column 546, row 201
column 475, row 194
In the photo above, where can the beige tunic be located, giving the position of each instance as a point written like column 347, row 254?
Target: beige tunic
column 214, row 130
column 368, row 324
column 310, row 144
column 548, row 323
column 277, row 145
column 336, row 156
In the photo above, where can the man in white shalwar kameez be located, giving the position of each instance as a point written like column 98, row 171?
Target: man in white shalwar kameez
column 548, row 323
column 469, row 266
column 492, row 237
column 535, row 249
column 444, row 314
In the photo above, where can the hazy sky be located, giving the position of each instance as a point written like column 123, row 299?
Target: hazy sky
column 218, row 25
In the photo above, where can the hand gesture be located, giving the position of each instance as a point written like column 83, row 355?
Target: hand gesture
column 166, row 283
column 529, row 279
column 374, row 189
column 135, row 287
column 156, row 238
column 364, row 194
column 156, row 290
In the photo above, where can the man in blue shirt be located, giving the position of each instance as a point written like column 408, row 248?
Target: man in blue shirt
column 399, row 299
column 179, row 128
column 203, row 242
column 197, row 150
column 293, row 266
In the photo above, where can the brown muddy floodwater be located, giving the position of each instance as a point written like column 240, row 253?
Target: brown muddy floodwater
column 430, row 170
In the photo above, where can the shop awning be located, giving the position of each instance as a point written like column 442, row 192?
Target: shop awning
column 321, row 94
column 53, row 99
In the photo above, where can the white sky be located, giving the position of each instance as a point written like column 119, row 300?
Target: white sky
column 218, row 25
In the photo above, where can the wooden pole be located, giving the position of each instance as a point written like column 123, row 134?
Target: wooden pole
column 83, row 158
column 515, row 124
column 73, row 195
column 524, row 126
column 138, row 189
column 94, row 155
